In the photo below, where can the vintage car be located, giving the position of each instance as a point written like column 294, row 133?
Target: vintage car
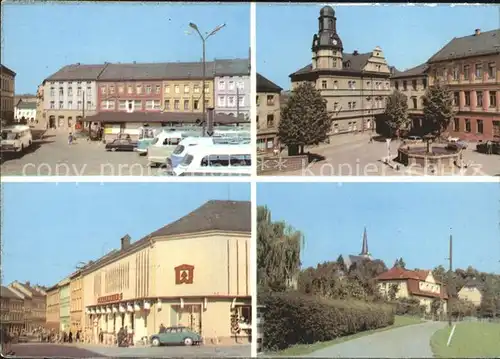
column 175, row 336
column 489, row 147
column 121, row 145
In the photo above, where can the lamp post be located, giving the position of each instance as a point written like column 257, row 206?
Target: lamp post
column 203, row 40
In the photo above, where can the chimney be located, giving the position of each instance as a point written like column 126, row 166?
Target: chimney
column 125, row 242
column 477, row 32
column 355, row 53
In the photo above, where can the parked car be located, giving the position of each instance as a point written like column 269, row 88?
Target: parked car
column 121, row 145
column 457, row 145
column 482, row 147
column 175, row 336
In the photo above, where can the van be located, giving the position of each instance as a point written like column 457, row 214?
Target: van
column 16, row 138
column 162, row 146
column 216, row 160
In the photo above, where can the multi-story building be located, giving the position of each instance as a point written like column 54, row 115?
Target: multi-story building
column 417, row 284
column 76, row 301
column 53, row 311
column 64, row 305
column 34, row 304
column 472, row 292
column 8, row 80
column 11, row 311
column 268, row 114
column 413, row 83
column 232, row 87
column 355, row 85
column 160, row 280
column 70, row 94
column 26, row 112
column 470, row 65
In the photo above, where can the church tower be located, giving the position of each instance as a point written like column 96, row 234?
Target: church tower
column 327, row 46
column 364, row 247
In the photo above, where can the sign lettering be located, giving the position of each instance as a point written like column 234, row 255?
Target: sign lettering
column 110, row 298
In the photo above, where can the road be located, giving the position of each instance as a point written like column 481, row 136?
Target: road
column 95, row 351
column 412, row 341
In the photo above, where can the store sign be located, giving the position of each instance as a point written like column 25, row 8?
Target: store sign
column 184, row 274
column 110, row 298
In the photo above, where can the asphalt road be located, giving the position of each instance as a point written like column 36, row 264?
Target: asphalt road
column 94, row 351
column 412, row 341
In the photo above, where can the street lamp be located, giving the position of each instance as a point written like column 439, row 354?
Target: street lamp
column 203, row 40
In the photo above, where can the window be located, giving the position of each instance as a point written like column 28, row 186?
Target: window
column 138, row 89
column 207, row 88
column 196, row 89
column 176, row 89
column 61, row 91
column 405, row 86
column 240, row 85
column 149, row 104
column 166, row 105
column 222, row 85
column 78, row 91
column 186, row 104
column 414, row 100
column 130, row 89
column 467, row 125
column 324, row 84
column 157, row 89
column 466, row 72
column 79, row 105
column 424, row 83
column 61, row 105
column 186, row 88
column 492, row 70
column 241, row 101
column 103, row 90
column 230, row 101
column 467, row 98
column 89, row 104
column 270, row 100
column 456, row 98
column 207, row 103
column 349, row 105
column 122, row 105
column 52, row 104
column 167, row 89
column 335, row 84
column 176, row 104
column 414, row 84
column 335, row 106
column 230, row 85
column 478, row 71
column 156, row 104
column 480, row 128
column 396, row 85
column 456, row 124
column 493, row 99
column 479, row 96
column 121, row 89
column 130, row 105
column 70, row 105
column 352, row 85
column 270, row 121
column 138, row 105
column 221, row 101
column 455, row 73
column 111, row 89
column 148, row 89
column 378, row 67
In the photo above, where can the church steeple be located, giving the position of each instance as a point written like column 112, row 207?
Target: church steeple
column 327, row 47
column 364, row 248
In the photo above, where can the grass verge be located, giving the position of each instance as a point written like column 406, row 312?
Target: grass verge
column 303, row 349
column 470, row 340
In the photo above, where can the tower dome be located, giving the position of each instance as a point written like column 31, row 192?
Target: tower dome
column 326, row 11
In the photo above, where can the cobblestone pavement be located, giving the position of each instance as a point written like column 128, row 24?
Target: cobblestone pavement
column 354, row 155
column 412, row 341
column 52, row 156
column 96, row 351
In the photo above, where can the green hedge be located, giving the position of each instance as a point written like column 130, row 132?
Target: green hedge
column 293, row 318
column 408, row 306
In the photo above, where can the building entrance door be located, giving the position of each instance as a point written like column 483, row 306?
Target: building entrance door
column 189, row 316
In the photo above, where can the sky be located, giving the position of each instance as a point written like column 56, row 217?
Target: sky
column 38, row 40
column 408, row 35
column 408, row 220
column 48, row 228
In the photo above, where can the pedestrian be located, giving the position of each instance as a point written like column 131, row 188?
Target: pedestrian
column 70, row 337
column 489, row 145
column 162, row 328
column 101, row 336
column 77, row 336
column 70, row 138
column 130, row 336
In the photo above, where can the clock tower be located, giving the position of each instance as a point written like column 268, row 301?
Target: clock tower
column 327, row 46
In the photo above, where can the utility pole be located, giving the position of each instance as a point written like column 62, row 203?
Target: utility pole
column 450, row 278
column 237, row 102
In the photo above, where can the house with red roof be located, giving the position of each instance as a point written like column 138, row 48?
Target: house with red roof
column 417, row 284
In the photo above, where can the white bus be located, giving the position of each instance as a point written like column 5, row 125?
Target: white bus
column 16, row 138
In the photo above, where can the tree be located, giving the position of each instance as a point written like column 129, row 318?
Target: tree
column 304, row 119
column 400, row 263
column 396, row 113
column 438, row 109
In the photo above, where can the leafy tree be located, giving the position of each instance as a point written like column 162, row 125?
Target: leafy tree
column 400, row 263
column 438, row 109
column 396, row 113
column 278, row 253
column 304, row 120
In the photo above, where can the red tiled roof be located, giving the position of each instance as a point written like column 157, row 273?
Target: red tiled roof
column 398, row 273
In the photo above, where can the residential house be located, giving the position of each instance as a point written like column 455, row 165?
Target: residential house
column 11, row 311
column 34, row 304
column 53, row 311
column 268, row 114
column 137, row 287
column 471, row 292
column 355, row 85
column 26, row 112
column 470, row 66
column 8, row 81
column 417, row 284
column 232, row 87
column 64, row 305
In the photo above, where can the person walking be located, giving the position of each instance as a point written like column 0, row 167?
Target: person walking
column 6, row 342
column 70, row 138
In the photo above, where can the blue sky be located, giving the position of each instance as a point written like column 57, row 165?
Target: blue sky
column 409, row 220
column 408, row 35
column 40, row 39
column 47, row 228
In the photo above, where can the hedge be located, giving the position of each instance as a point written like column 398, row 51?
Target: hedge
column 294, row 318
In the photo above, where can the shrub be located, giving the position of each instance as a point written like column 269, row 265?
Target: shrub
column 293, row 318
column 408, row 306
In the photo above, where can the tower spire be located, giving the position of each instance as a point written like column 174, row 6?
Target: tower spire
column 364, row 248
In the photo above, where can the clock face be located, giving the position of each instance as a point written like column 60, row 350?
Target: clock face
column 334, row 42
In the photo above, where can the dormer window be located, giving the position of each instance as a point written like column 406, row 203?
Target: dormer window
column 347, row 64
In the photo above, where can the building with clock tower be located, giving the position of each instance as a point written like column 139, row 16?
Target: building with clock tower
column 355, row 84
